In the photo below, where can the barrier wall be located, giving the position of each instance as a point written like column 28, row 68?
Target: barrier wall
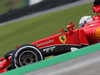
column 46, row 4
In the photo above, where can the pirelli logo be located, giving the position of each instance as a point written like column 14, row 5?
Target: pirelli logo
column 62, row 39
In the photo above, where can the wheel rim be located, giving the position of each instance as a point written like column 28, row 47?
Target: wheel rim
column 27, row 57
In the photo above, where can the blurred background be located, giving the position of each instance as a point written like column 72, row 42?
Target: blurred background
column 12, row 9
column 11, row 5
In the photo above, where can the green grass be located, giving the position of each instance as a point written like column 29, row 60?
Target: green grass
column 4, row 8
column 30, row 30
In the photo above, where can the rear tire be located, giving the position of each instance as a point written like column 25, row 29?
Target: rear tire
column 25, row 55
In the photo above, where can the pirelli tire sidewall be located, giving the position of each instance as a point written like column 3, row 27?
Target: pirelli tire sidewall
column 16, row 55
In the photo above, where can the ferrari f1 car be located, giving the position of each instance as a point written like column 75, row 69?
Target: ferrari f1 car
column 66, row 41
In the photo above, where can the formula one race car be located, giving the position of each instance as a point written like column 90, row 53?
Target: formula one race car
column 66, row 41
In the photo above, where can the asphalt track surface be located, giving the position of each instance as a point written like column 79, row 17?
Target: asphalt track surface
column 66, row 6
column 85, row 65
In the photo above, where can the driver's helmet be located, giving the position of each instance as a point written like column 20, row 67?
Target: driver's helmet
column 85, row 20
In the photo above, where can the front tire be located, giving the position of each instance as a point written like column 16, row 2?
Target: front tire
column 8, row 54
column 25, row 55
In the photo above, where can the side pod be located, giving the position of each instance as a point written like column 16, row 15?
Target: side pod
column 82, row 37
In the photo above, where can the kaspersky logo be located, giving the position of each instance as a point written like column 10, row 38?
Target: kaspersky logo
column 97, row 33
column 62, row 39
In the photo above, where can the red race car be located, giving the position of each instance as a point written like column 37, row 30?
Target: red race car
column 66, row 41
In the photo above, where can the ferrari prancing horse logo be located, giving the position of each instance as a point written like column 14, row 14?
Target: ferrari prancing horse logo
column 62, row 39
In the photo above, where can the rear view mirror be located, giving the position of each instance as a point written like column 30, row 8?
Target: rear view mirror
column 61, row 30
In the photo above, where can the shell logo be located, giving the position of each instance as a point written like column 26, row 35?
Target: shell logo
column 97, row 33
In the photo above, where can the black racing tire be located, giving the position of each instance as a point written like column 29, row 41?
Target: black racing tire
column 8, row 54
column 25, row 55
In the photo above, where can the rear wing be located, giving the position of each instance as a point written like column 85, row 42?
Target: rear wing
column 96, row 9
column 96, row 6
column 96, row 2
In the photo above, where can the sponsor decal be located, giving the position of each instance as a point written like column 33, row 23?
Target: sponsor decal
column 1, row 66
column 93, row 22
column 74, row 49
column 44, row 43
column 49, row 49
column 62, row 39
column 97, row 33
